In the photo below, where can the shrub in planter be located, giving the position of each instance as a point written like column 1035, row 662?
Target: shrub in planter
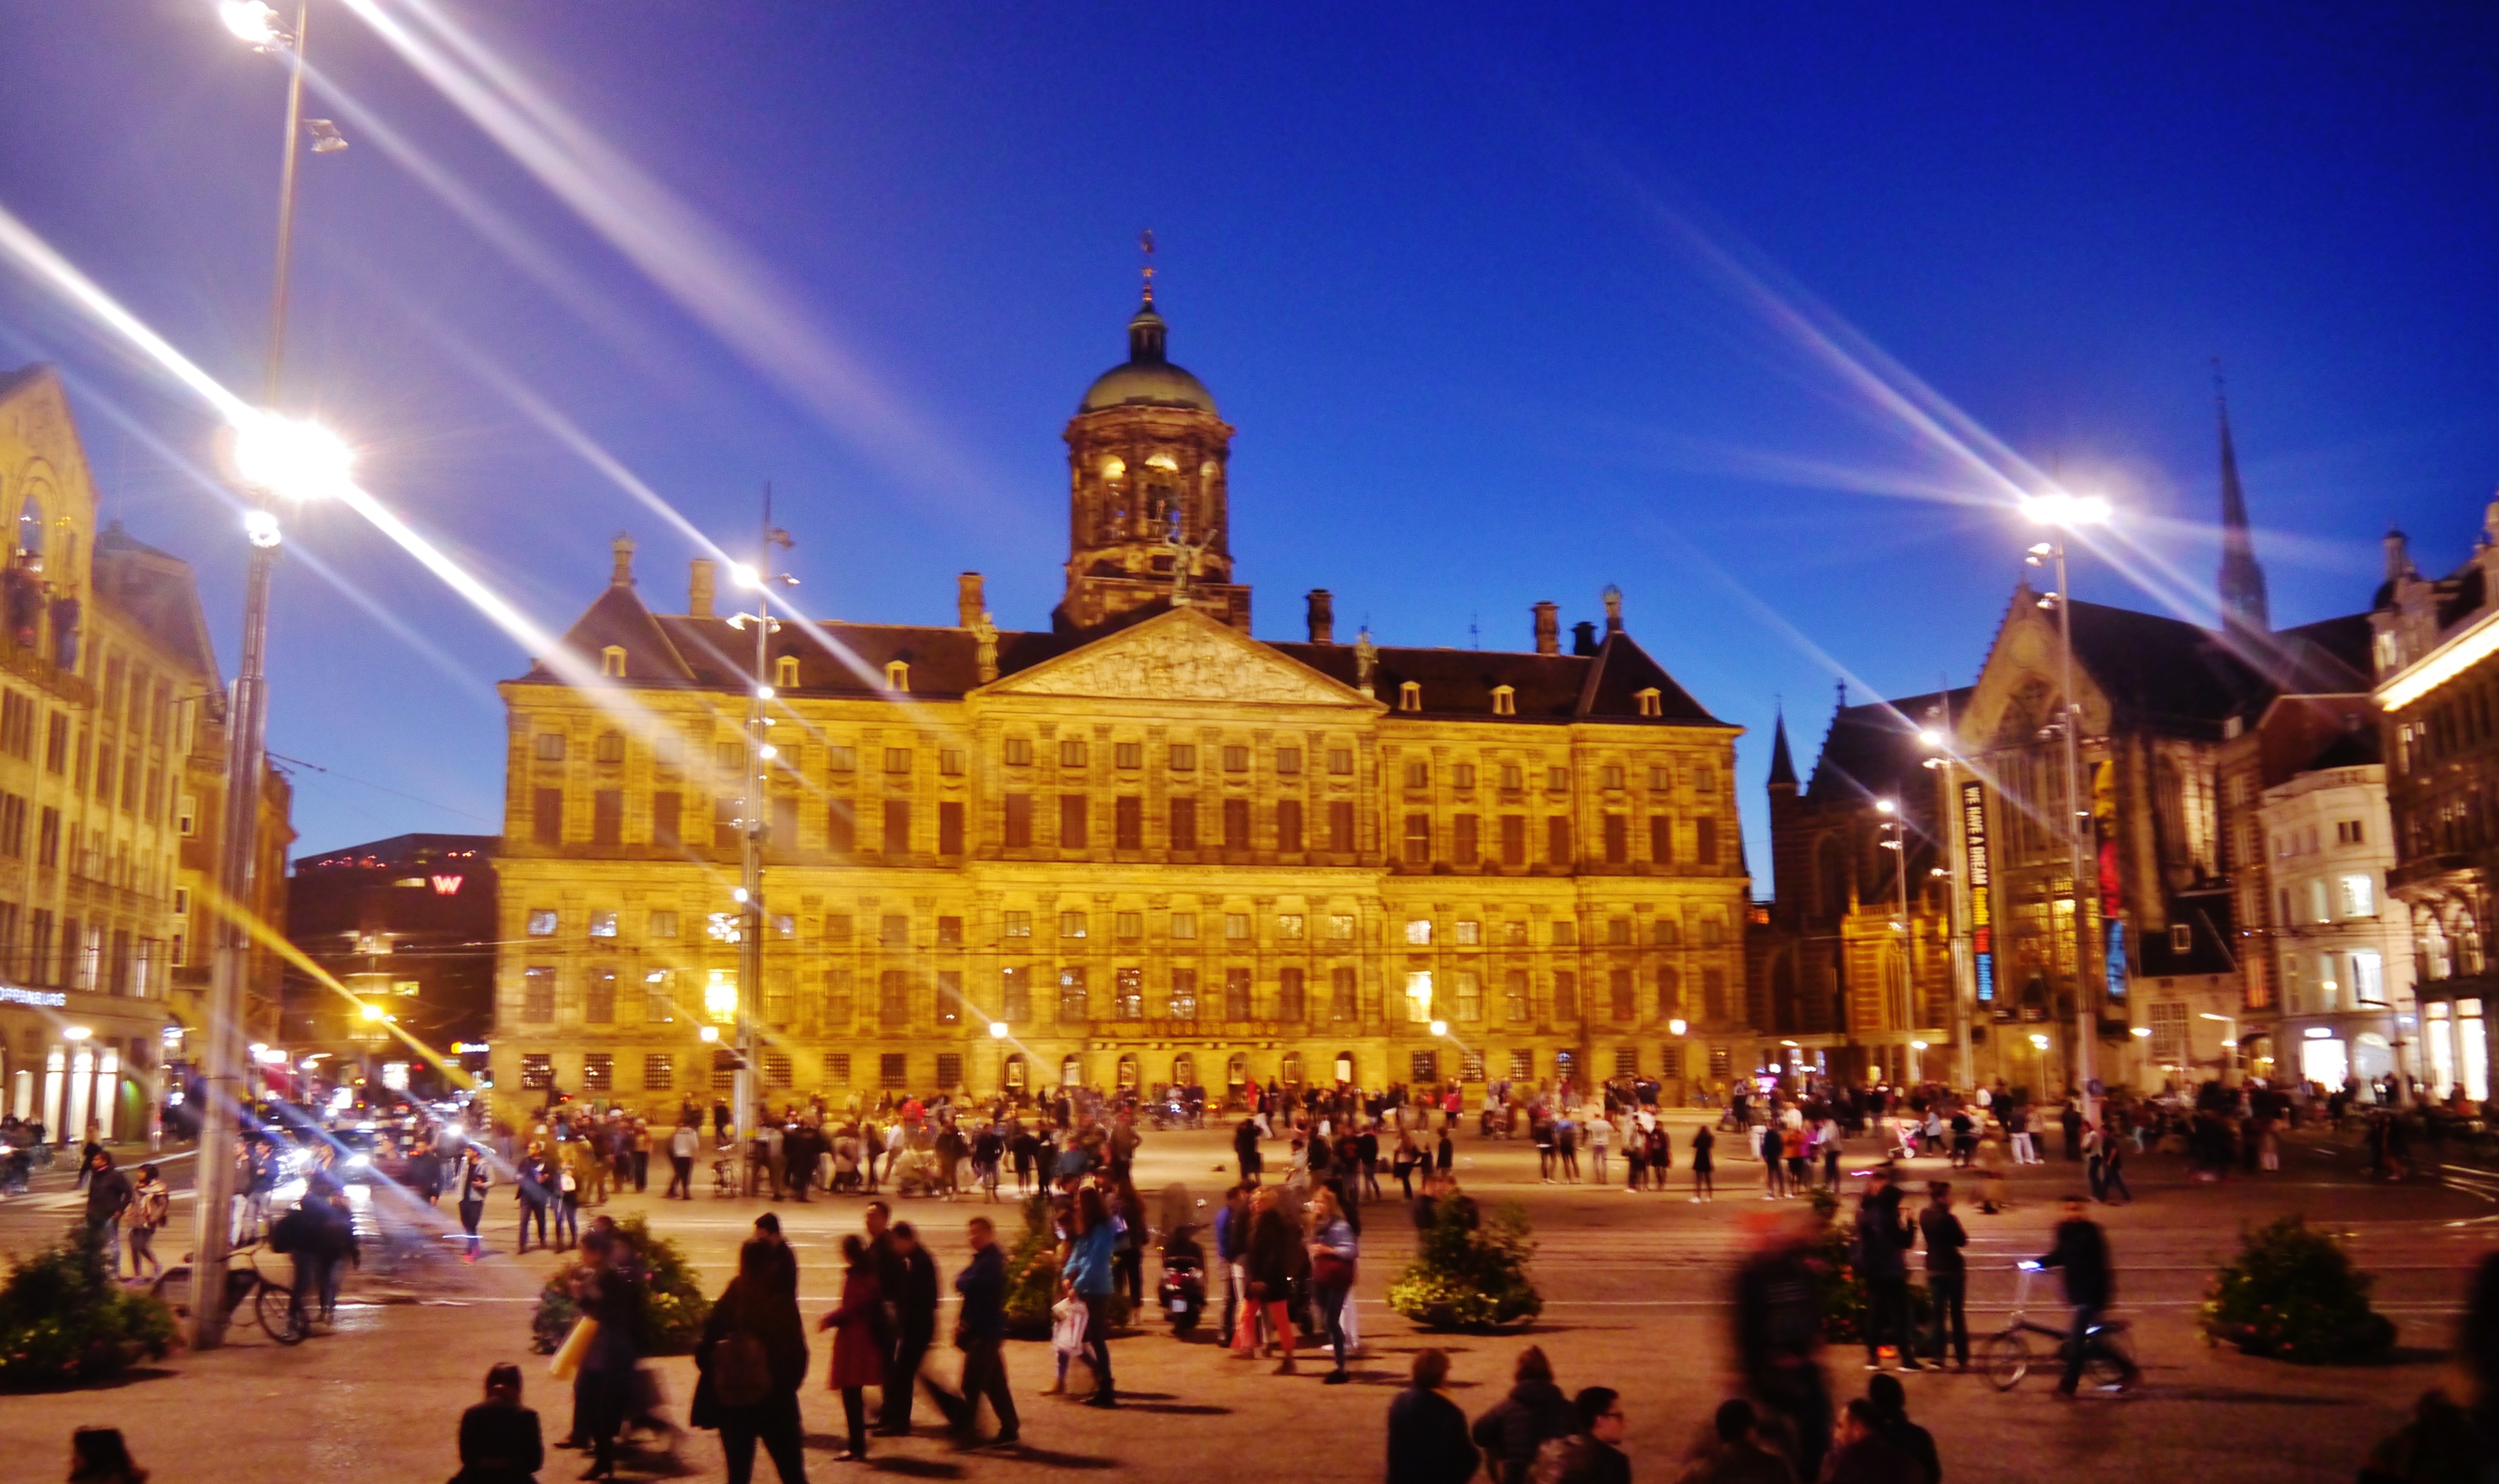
column 1032, row 1277
column 1839, row 1289
column 2293, row 1294
column 64, row 1321
column 674, row 1306
column 1470, row 1272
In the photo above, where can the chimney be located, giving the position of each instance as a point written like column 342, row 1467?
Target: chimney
column 622, row 575
column 967, row 601
column 699, row 593
column 1583, row 638
column 1322, row 616
column 1549, row 628
column 1613, row 610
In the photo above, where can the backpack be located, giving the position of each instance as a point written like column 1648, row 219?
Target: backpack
column 741, row 1374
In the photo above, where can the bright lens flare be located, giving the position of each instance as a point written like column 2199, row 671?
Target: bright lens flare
column 2065, row 510
column 743, row 575
column 291, row 456
column 249, row 20
column 373, row 1011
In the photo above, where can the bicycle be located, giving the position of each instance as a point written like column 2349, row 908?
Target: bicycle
column 2006, row 1356
column 272, row 1305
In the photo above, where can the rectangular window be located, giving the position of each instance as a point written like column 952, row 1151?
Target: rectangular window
column 950, row 829
column 537, row 994
column 1019, row 924
column 1128, row 754
column 1288, row 825
column 1610, row 775
column 1713, row 994
column 1557, row 780
column 1236, row 823
column 1181, row 1003
column 537, row 1070
column 1426, row 1066
column 950, row 1070
column 1660, row 838
column 1670, row 992
column 1618, row 839
column 2169, row 1034
column 659, row 1072
column 1128, row 822
column 1071, row 996
column 1341, row 995
column 949, row 932
column 47, row 837
column 1522, row 1066
column 1470, row 987
column 1127, row 925
column 894, row 1071
column 1183, row 823
column 1557, row 840
column 541, row 921
column 949, row 763
column 1236, row 759
column 776, row 1069
column 841, row 828
column 897, row 759
column 1071, row 822
column 1467, row 933
column 1014, row 993
column 1288, row 761
column 546, row 815
column 658, row 1000
column 1419, row 775
column 550, row 747
column 1670, row 1062
column 897, row 827
column 1514, row 839
column 950, row 997
column 1340, row 927
column 1705, row 839
column 1418, row 932
column 1618, row 932
column 599, row 1072
column 668, row 813
column 1341, row 827
column 602, row 922
column 894, row 931
column 837, row 1069
column 839, row 992
column 893, row 998
column 2368, row 978
column 1619, row 992
column 1019, row 751
column 1071, row 924
column 1236, row 927
column 783, row 835
column 56, row 743
column 1184, row 924
column 1071, row 753
column 728, row 824
column 1566, row 996
column 1184, row 758
column 1420, row 1007
column 1418, row 839
column 2360, row 896
column 1236, row 994
column 1463, row 775
column 1290, row 996
column 1127, row 993
column 1289, row 928
column 1515, row 996
column 1340, row 761
column 1018, row 822
column 1463, row 847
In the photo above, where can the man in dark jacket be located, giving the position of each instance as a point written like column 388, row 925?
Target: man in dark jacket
column 1778, row 1342
column 1593, row 1454
column 1947, row 1278
column 915, row 1314
column 1883, row 1255
column 1427, row 1433
column 107, row 1192
column 2082, row 1257
column 1915, row 1444
column 978, row 1331
column 1520, row 1423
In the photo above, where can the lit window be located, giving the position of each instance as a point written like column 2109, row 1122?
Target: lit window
column 603, row 925
column 1071, row 924
column 2182, row 937
column 1019, row 924
column 2360, row 896
column 611, row 661
column 541, row 921
column 897, row 676
column 1505, row 701
column 720, row 996
column 1469, row 934
column 1288, row 926
column 1236, row 925
column 1129, row 925
column 1418, row 931
column 785, row 673
column 1340, row 927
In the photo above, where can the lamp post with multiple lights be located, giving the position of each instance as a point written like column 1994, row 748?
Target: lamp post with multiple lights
column 1896, row 824
column 760, row 757
column 1945, row 763
column 2060, row 513
column 272, row 456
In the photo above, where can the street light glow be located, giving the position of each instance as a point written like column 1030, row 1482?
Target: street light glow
column 2039, row 1041
column 2066, row 511
column 1676, row 1026
column 260, row 527
column 373, row 1013
column 743, row 575
column 291, row 456
column 1440, row 1027
column 2144, row 1031
column 1885, row 805
column 997, row 1030
column 251, row 21
column 74, row 1033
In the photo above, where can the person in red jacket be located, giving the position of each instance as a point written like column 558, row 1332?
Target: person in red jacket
column 860, row 1349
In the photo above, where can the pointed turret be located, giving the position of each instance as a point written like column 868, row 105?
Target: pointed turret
column 2243, row 582
column 1783, row 774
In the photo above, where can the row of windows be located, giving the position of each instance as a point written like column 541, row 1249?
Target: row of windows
column 894, row 928
column 2304, row 842
column 2347, row 897
column 88, row 957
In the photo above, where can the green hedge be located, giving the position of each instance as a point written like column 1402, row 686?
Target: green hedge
column 674, row 1306
column 1469, row 1274
column 65, row 1321
column 1839, row 1289
column 2293, row 1294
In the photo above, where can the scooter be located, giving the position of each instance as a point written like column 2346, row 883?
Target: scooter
column 1181, row 1293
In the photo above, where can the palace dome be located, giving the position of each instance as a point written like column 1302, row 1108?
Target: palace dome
column 1145, row 380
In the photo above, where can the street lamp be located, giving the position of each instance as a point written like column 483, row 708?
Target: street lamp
column 997, row 1030
column 759, row 762
column 2063, row 513
column 1954, row 844
column 1440, row 1027
column 290, row 460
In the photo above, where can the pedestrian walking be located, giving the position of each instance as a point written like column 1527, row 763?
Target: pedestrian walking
column 1779, row 1337
column 979, row 1333
column 911, row 1298
column 2112, row 1173
column 107, row 1195
column 500, row 1442
column 1635, row 1161
column 1272, row 1257
column 1705, row 1169
column 609, row 1292
column 150, row 1207
column 476, row 1180
column 1091, row 1273
column 1947, row 1274
column 1601, row 1135
column 2081, row 1257
column 2453, row 1424
column 1333, row 1252
column 1427, row 1433
column 1513, row 1430
column 751, row 1360
column 860, row 1348
column 530, row 1192
column 2070, row 1121
column 682, row 1143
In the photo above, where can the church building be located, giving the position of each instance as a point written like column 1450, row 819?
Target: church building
column 1139, row 846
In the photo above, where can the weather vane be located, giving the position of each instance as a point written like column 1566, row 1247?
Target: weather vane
column 1145, row 245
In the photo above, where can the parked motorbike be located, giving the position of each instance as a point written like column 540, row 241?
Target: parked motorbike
column 1181, row 1293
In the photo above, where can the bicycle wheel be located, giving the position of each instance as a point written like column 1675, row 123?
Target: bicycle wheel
column 2006, row 1359
column 2108, row 1362
column 276, row 1307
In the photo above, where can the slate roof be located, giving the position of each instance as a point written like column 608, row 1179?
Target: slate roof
column 1872, row 750
column 159, row 591
column 2207, row 918
column 677, row 652
column 2173, row 674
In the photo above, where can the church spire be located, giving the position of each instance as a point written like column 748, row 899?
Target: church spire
column 1782, row 765
column 2243, row 582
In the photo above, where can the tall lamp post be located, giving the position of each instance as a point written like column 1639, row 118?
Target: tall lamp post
column 273, row 456
column 2060, row 513
column 1897, row 825
column 1964, row 967
column 759, row 755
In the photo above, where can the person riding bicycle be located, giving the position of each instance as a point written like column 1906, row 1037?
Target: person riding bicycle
column 2082, row 1257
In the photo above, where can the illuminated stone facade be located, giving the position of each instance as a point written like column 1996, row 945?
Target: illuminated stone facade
column 1151, row 846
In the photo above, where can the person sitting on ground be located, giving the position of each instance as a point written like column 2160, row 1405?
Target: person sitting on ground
column 1518, row 1424
column 1592, row 1454
column 1864, row 1455
column 1731, row 1453
column 500, row 1442
column 99, row 1456
column 1918, row 1445
column 1427, row 1433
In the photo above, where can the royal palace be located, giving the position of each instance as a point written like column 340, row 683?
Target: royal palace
column 1140, row 845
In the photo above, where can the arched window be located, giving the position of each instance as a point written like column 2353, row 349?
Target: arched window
column 1127, row 1070
column 897, row 676
column 1012, row 1075
column 611, row 661
column 1183, row 1070
column 1071, row 1070
column 1236, row 1072
column 1345, row 1066
column 30, row 533
column 785, row 673
column 1292, row 1069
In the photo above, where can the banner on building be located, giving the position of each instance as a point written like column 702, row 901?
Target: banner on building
column 1982, row 923
column 2104, row 833
column 2115, row 960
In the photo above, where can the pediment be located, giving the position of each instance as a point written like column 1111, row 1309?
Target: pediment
column 1180, row 655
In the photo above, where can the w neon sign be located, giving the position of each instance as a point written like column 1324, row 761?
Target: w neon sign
column 446, row 886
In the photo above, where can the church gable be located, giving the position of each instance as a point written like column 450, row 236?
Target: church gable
column 1180, row 655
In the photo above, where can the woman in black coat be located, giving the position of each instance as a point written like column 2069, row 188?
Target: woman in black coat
column 753, row 1356
column 1427, row 1434
column 500, row 1442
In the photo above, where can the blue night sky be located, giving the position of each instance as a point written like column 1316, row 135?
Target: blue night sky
column 1506, row 304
